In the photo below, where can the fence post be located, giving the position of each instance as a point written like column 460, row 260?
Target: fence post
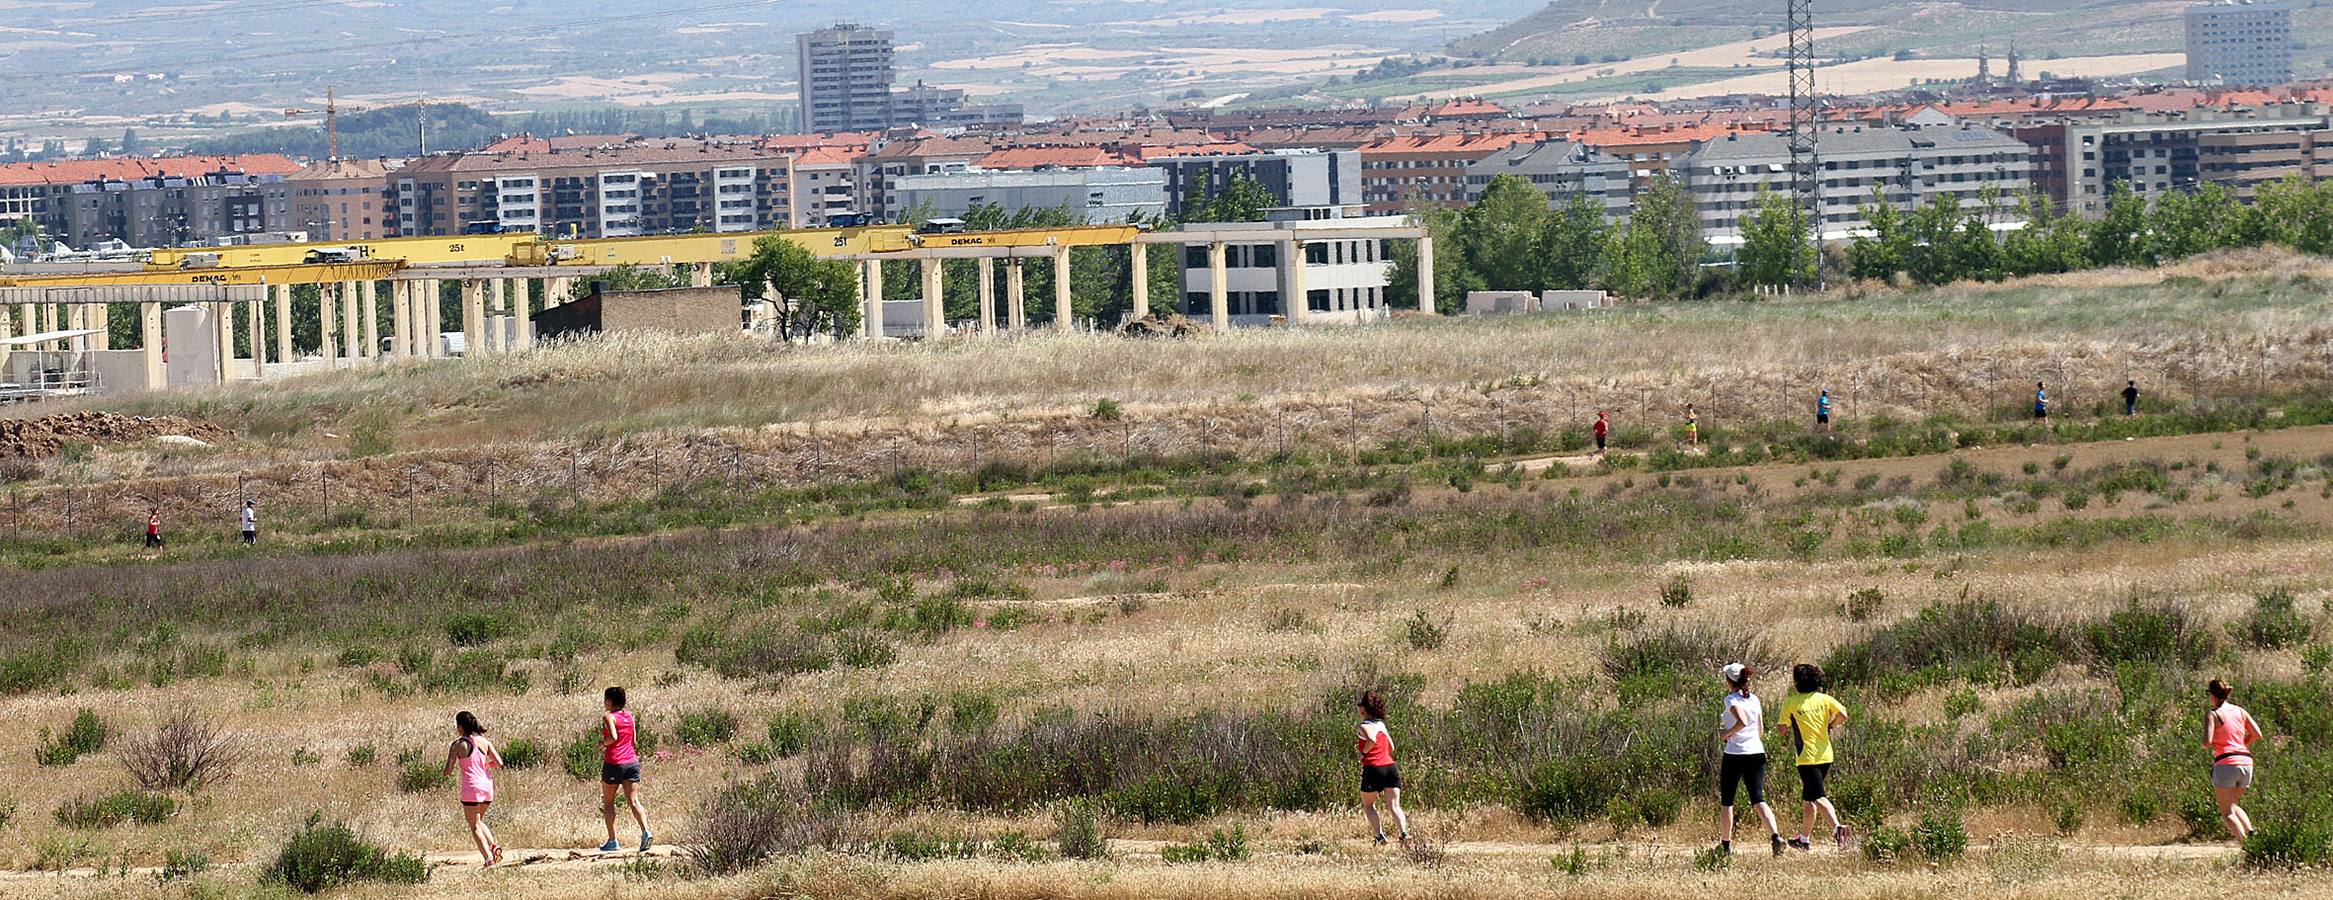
column 1353, row 431
column 324, row 484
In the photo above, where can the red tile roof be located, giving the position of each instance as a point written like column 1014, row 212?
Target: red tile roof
column 1053, row 157
column 1463, row 144
column 527, row 143
column 77, row 171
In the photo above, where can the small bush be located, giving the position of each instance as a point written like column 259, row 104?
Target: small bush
column 1963, row 702
column 185, row 751
column 2290, row 843
column 182, row 865
column 418, row 771
column 1107, row 410
column 706, row 727
column 1863, row 603
column 747, row 823
column 1886, row 844
column 1939, row 836
column 1676, row 592
column 580, row 757
column 1078, row 834
column 1426, row 634
column 85, row 736
column 1712, row 860
column 788, row 735
column 476, row 629
column 124, row 808
column 523, row 753
column 360, row 755
column 1017, row 847
column 2273, row 623
column 1219, row 846
column 321, row 857
column 1661, row 807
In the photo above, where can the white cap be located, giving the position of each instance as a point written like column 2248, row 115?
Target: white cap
column 1733, row 672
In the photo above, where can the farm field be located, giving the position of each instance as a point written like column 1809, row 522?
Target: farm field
column 1082, row 617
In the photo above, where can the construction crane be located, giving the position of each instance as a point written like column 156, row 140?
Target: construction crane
column 331, row 113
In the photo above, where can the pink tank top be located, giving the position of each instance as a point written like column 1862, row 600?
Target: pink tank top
column 621, row 753
column 476, row 779
column 2231, row 735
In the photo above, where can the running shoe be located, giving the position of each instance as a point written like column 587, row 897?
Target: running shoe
column 1801, row 843
column 610, row 847
column 1840, row 834
column 645, row 837
column 1722, row 849
column 1405, row 838
column 1777, row 839
column 1381, row 839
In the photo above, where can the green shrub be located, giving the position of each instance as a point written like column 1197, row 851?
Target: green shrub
column 1962, row 702
column 1426, row 634
column 127, row 807
column 1886, row 844
column 321, row 857
column 476, row 629
column 2273, row 623
column 1017, row 847
column 1712, row 859
column 580, row 757
column 1661, row 806
column 1218, row 846
column 746, row 823
column 1863, row 603
column 2316, row 658
column 706, row 727
column 917, row 846
column 1623, row 815
column 523, row 753
column 2162, row 634
column 1939, row 836
column 182, row 865
column 85, row 736
column 360, row 755
column 1078, row 830
column 788, row 735
column 1677, row 591
column 418, row 771
column 2290, row 843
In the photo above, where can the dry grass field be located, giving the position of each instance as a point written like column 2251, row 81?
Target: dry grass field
column 943, row 679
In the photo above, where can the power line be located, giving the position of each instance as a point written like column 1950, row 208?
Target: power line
column 360, row 46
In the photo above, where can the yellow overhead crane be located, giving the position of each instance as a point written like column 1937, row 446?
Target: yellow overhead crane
column 1070, row 236
column 328, row 273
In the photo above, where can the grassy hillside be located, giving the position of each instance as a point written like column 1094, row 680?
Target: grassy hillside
column 946, row 621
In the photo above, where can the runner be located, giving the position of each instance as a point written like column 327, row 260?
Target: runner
column 2040, row 402
column 1603, row 430
column 1378, row 773
column 2229, row 733
column 471, row 759
column 2130, row 398
column 153, row 528
column 1740, row 719
column 619, row 769
column 1692, row 426
column 1810, row 716
column 1823, row 410
column 250, row 522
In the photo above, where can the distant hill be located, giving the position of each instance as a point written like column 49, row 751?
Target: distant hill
column 1565, row 30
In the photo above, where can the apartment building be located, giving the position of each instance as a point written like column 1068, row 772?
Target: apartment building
column 846, row 77
column 2157, row 152
column 1343, row 280
column 875, row 173
column 1295, row 178
column 1911, row 164
column 342, row 200
column 2241, row 42
column 1651, row 152
column 1562, row 170
column 150, row 202
column 1426, row 170
column 930, row 106
column 598, row 192
column 1095, row 195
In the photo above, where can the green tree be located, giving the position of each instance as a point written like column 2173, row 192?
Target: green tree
column 1242, row 199
column 2119, row 237
column 808, row 295
column 2184, row 224
column 1882, row 253
column 1571, row 245
column 1453, row 276
column 1775, row 251
column 1501, row 234
column 1657, row 255
column 2050, row 241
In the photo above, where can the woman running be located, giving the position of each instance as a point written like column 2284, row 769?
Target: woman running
column 471, row 760
column 1378, row 774
column 1692, row 426
column 1602, row 430
column 154, row 528
column 1810, row 715
column 2229, row 734
column 1740, row 719
column 1823, row 410
column 2040, row 401
column 619, row 769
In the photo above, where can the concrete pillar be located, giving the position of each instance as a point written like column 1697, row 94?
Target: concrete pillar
column 522, row 311
column 223, row 335
column 1299, row 304
column 282, row 295
column 1138, row 256
column 873, row 297
column 473, row 317
column 987, row 295
column 935, row 311
column 1016, row 296
column 7, row 330
column 490, row 317
column 256, row 322
column 433, row 309
column 101, row 319
column 352, row 333
column 1219, row 288
column 1426, row 277
column 400, row 306
column 368, row 297
column 1062, row 313
column 150, row 330
column 327, row 324
column 701, row 275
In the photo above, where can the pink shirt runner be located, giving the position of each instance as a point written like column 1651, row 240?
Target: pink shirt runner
column 621, row 753
column 2232, row 734
column 477, row 780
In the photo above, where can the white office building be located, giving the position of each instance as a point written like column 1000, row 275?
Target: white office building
column 2239, row 42
column 1343, row 279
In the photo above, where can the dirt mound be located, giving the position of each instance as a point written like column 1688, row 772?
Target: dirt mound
column 48, row 435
